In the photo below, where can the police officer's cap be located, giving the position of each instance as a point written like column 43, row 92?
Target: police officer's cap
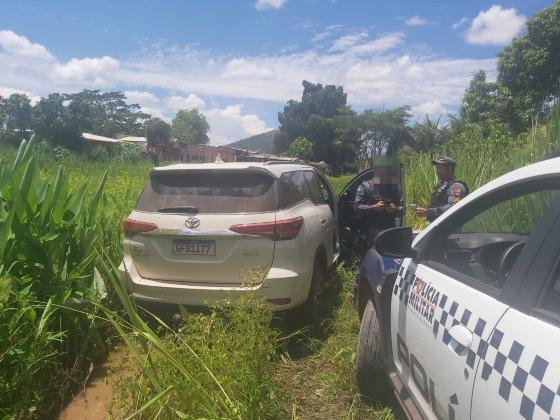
column 444, row 160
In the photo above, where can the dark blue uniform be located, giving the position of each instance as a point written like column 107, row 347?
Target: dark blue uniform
column 372, row 221
column 444, row 195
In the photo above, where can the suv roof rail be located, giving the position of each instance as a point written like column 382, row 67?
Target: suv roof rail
column 283, row 162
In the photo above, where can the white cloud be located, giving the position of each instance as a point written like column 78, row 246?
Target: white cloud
column 241, row 68
column 416, row 21
column 230, row 124
column 6, row 91
column 433, row 109
column 90, row 70
column 347, row 41
column 380, row 44
column 495, row 26
column 180, row 102
column 269, row 4
column 139, row 97
column 374, row 72
column 463, row 21
column 20, row 45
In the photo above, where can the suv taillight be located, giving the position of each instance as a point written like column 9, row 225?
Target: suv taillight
column 130, row 227
column 280, row 230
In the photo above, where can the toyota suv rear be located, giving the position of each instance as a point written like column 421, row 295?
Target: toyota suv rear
column 197, row 228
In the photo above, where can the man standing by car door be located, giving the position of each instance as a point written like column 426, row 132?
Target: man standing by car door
column 448, row 192
column 376, row 210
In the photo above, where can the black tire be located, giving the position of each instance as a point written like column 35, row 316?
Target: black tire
column 309, row 313
column 370, row 372
column 363, row 296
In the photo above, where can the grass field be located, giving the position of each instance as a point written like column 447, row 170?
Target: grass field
column 60, row 304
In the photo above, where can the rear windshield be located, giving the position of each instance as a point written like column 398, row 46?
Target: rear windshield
column 204, row 192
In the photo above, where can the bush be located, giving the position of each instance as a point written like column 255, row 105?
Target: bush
column 128, row 152
column 100, row 154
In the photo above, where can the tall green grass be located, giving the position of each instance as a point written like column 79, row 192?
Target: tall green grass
column 480, row 160
column 219, row 365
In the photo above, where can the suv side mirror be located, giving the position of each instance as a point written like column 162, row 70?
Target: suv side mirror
column 395, row 242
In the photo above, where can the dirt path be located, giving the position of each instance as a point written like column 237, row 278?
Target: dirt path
column 92, row 402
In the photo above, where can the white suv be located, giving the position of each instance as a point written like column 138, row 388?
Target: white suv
column 197, row 228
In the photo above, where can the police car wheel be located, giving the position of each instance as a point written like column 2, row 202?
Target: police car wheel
column 370, row 375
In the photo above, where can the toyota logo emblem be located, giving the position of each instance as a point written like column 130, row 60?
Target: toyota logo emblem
column 192, row 222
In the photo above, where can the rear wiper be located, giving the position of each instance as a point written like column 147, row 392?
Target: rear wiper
column 179, row 209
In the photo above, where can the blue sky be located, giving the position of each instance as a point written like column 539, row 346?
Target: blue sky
column 240, row 61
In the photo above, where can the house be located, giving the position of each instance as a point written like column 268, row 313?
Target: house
column 93, row 141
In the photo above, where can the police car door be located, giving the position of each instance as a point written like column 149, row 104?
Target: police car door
column 519, row 375
column 446, row 304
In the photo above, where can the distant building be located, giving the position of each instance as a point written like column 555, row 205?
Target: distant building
column 93, row 141
column 193, row 153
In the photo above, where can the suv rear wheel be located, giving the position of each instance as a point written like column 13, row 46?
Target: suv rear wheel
column 370, row 375
column 310, row 311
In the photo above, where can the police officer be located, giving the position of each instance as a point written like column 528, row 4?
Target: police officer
column 375, row 211
column 448, row 192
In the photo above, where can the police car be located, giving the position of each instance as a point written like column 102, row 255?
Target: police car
column 463, row 321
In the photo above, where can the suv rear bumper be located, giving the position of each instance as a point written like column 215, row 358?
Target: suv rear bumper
column 278, row 284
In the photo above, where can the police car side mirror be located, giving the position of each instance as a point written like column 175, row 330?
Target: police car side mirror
column 395, row 242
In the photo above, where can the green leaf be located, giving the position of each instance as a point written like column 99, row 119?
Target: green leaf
column 51, row 236
column 19, row 156
column 97, row 196
column 99, row 284
column 26, row 185
column 5, row 228
column 44, row 318
column 58, row 196
column 74, row 204
column 29, row 148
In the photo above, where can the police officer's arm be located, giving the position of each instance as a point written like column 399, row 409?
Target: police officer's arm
column 454, row 194
column 361, row 205
column 397, row 205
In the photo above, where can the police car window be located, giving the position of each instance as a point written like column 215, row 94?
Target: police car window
column 518, row 215
column 485, row 248
column 550, row 299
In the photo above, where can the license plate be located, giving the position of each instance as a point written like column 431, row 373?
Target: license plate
column 183, row 247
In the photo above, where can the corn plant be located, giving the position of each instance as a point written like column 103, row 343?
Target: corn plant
column 47, row 267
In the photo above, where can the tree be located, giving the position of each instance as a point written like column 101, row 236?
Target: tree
column 529, row 69
column 301, row 148
column 383, row 132
column 158, row 132
column 15, row 117
column 313, row 118
column 481, row 101
column 59, row 122
column 427, row 134
column 108, row 114
column 190, row 127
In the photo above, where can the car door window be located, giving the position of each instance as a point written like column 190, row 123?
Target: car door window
column 484, row 249
column 292, row 189
column 315, row 190
column 549, row 302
